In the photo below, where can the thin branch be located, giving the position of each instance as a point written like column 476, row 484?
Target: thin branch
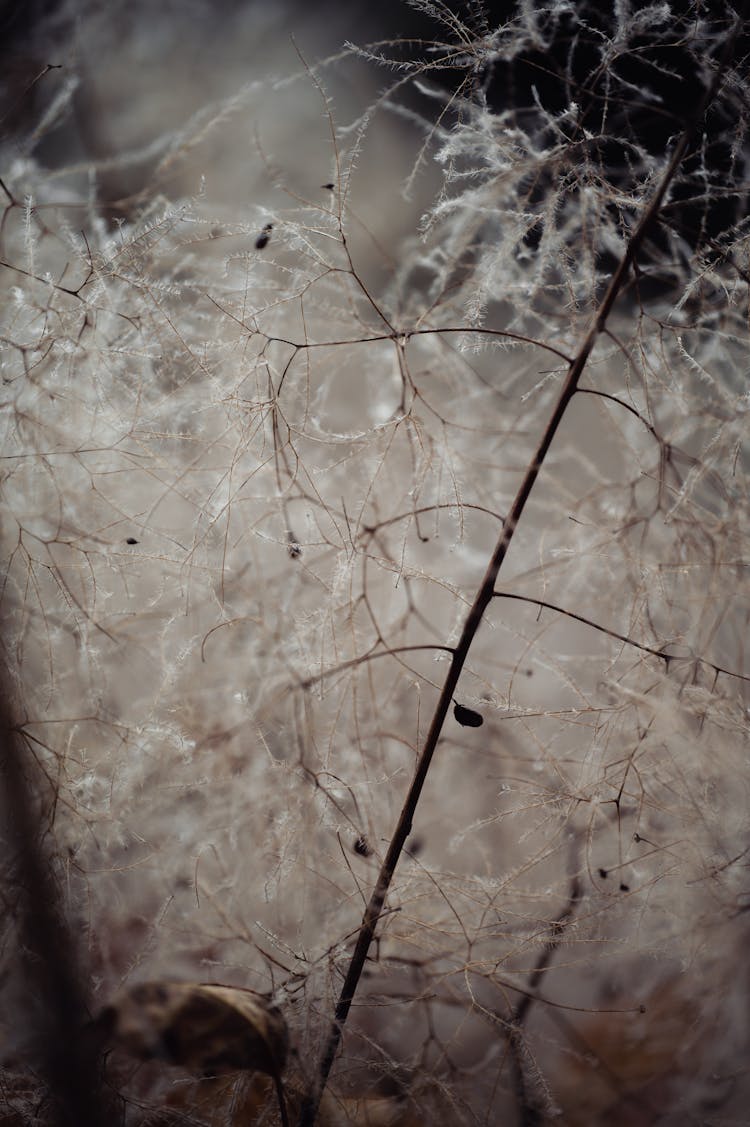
column 529, row 1114
column 391, row 651
column 405, row 334
column 482, row 600
column 661, row 653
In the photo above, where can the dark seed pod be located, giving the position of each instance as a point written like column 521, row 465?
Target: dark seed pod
column 467, row 717
column 293, row 546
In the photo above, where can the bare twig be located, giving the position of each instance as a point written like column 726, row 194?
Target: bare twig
column 662, row 653
column 529, row 1115
column 485, row 594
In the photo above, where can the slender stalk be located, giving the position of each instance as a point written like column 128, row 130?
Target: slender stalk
column 46, row 948
column 530, row 1115
column 484, row 596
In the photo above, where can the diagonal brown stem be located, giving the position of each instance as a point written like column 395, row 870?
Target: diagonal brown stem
column 484, row 596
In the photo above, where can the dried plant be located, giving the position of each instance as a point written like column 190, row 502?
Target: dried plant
column 373, row 603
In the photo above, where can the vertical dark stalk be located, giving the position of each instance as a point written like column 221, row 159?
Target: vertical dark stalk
column 50, row 964
column 486, row 591
column 529, row 1113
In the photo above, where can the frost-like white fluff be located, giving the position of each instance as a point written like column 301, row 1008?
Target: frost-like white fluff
column 263, row 417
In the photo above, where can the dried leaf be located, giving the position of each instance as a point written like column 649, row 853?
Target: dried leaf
column 467, row 716
column 366, row 1111
column 207, row 1029
column 363, row 1110
column 627, row 1065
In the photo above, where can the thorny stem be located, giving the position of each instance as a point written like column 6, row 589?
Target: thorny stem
column 485, row 595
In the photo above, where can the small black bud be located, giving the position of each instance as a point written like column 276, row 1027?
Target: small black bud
column 467, row 717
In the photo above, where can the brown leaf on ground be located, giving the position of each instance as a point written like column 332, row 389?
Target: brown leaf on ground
column 210, row 1030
